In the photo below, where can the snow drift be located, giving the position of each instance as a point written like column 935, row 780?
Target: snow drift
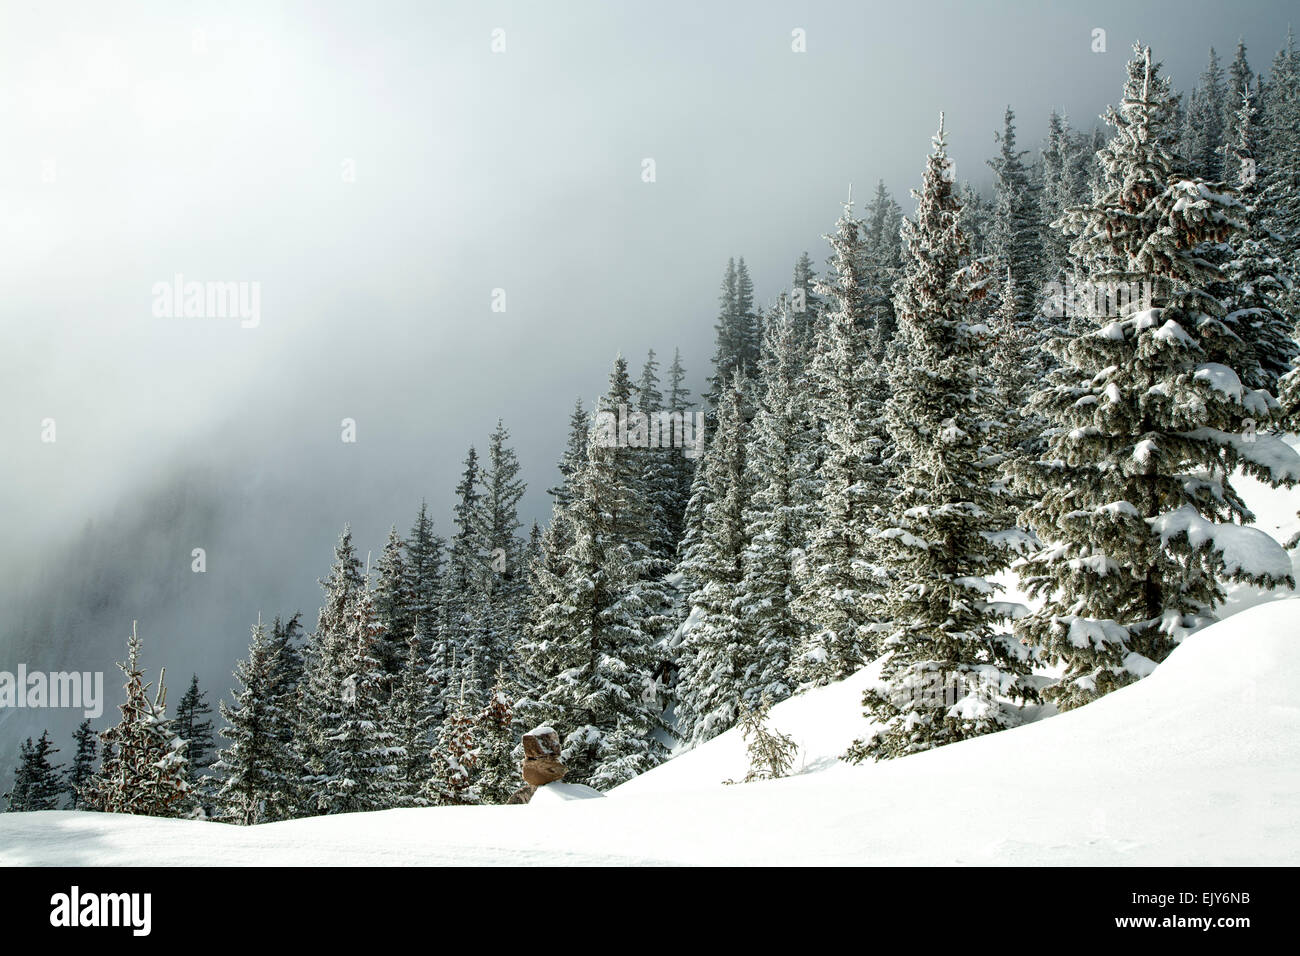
column 1197, row 764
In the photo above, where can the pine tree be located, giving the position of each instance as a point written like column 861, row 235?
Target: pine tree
column 424, row 553
column 502, row 611
column 189, row 725
column 771, row 753
column 37, row 782
column 1240, row 78
column 575, row 455
column 1203, row 137
column 1055, row 195
column 839, row 586
column 658, row 470
column 362, row 764
column 1257, row 276
column 454, row 758
column 323, row 670
column 947, row 529
column 144, row 766
column 593, row 654
column 715, row 661
column 546, row 568
column 635, row 522
column 393, row 603
column 778, row 517
column 1147, row 422
column 746, row 319
column 681, row 458
column 257, row 768
column 737, row 331
column 883, row 249
column 411, row 713
column 287, row 692
column 1279, row 161
column 805, row 304
column 1015, row 230
column 83, row 762
column 461, row 616
column 1017, row 365
column 497, row 776
column 284, row 640
column 976, row 220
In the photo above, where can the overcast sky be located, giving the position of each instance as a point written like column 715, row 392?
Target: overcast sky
column 379, row 170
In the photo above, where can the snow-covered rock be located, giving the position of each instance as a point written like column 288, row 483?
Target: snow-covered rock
column 563, row 793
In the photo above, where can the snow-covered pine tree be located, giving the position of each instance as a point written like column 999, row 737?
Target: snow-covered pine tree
column 634, row 518
column 1016, row 367
column 1017, row 262
column 976, row 219
column 83, row 762
column 1147, row 422
column 839, row 589
column 454, row 757
column 533, row 550
column 947, row 669
column 1015, row 232
column 771, row 753
column 662, row 476
column 746, row 319
column 424, row 551
column 1240, row 77
column 778, row 517
column 285, row 636
column 144, row 767
column 411, row 714
column 497, row 769
column 38, row 783
column 547, row 567
column 736, row 332
column 1257, row 277
column 461, row 616
column 288, row 682
column 363, row 757
column 257, row 769
column 189, row 725
column 320, row 690
column 1202, row 141
column 502, row 607
column 658, row 471
column 573, row 458
column 593, row 656
column 393, row 601
column 805, row 305
column 682, row 459
column 716, row 661
column 1086, row 163
column 1279, row 161
column 883, row 246
column 1054, row 197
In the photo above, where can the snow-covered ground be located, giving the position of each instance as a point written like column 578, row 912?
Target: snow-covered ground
column 1197, row 764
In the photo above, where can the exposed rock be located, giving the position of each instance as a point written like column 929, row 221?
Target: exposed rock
column 541, row 764
column 522, row 795
column 542, row 757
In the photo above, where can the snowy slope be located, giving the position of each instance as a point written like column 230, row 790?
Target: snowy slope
column 1199, row 763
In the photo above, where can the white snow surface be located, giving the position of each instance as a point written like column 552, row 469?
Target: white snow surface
column 563, row 793
column 1197, row 764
